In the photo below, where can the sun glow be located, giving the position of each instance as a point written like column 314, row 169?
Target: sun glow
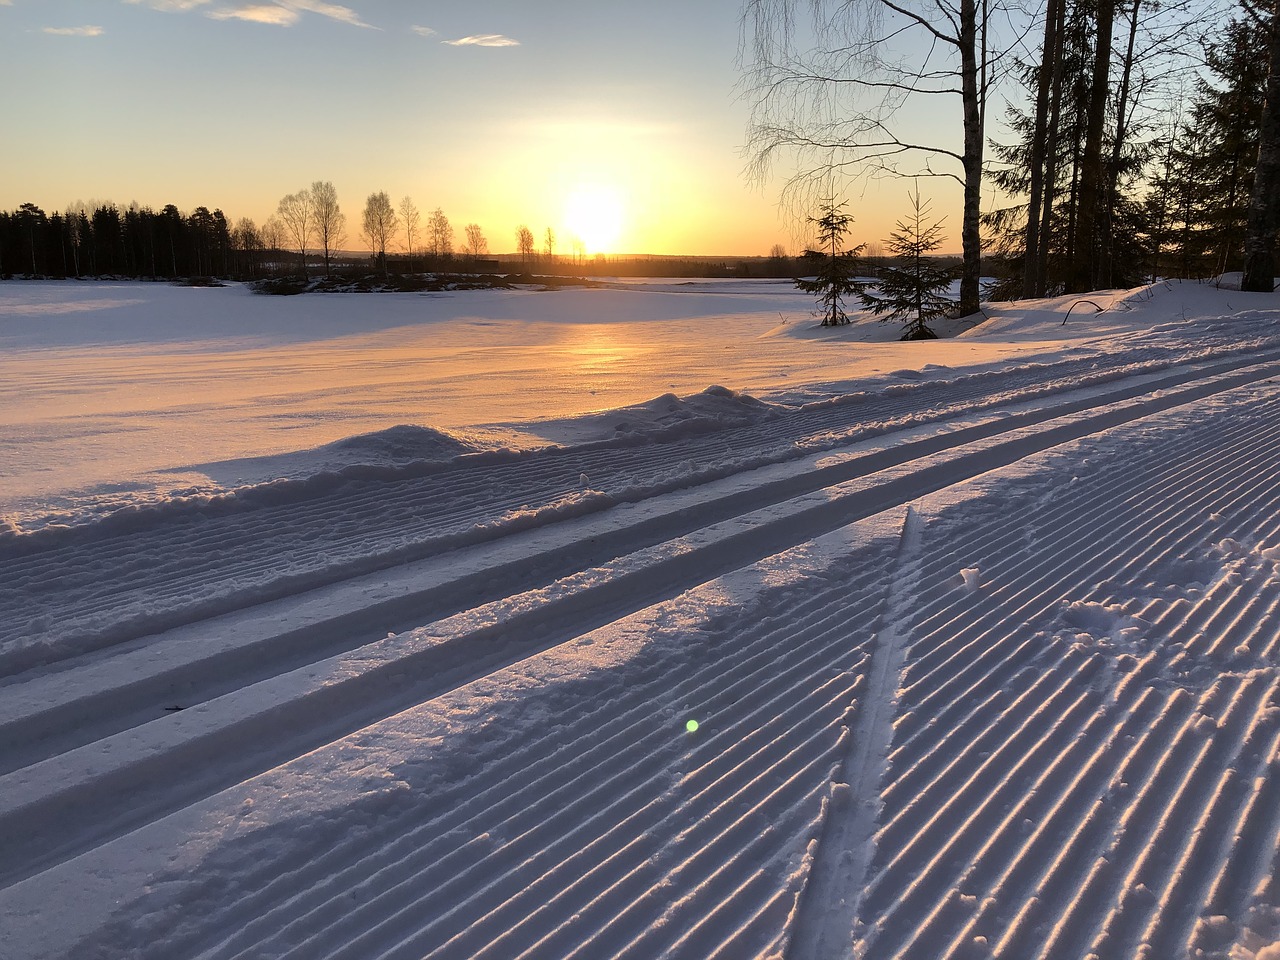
column 594, row 214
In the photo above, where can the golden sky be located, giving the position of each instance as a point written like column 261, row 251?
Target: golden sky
column 617, row 125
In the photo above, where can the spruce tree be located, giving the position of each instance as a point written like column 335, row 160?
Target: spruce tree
column 911, row 291
column 836, row 269
column 1222, row 137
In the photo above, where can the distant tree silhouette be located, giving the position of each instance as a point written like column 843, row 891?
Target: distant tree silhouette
column 524, row 243
column 380, row 225
column 410, row 217
column 100, row 239
column 173, row 234
column 477, row 245
column 246, row 242
column 551, row 245
column 108, row 240
column 439, row 235
column 295, row 213
column 329, row 219
column 273, row 235
column 31, row 222
column 210, row 240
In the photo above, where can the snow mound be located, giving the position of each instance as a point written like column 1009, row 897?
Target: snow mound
column 714, row 407
column 665, row 417
column 397, row 452
column 864, row 327
column 396, row 446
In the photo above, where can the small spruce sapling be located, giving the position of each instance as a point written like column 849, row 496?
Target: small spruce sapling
column 910, row 291
column 836, row 269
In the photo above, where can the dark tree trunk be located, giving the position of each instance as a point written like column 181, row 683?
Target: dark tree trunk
column 1117, row 147
column 1084, row 262
column 971, row 94
column 1044, row 85
column 1264, row 203
column 1051, row 155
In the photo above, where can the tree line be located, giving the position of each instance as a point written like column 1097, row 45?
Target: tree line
column 101, row 239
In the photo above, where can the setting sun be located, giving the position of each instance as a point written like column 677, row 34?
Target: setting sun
column 594, row 214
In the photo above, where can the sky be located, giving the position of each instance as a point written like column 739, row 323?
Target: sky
column 619, row 125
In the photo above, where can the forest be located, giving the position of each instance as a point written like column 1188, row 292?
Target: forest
column 1136, row 138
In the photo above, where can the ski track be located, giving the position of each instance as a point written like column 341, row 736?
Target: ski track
column 1070, row 750
column 1169, row 731
column 83, row 588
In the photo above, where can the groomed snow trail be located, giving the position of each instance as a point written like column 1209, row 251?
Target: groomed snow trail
column 997, row 678
column 77, row 588
column 1086, row 751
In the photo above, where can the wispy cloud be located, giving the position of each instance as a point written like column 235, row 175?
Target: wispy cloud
column 423, row 31
column 333, row 11
column 72, row 31
column 268, row 13
column 169, row 6
column 483, row 40
column 280, row 13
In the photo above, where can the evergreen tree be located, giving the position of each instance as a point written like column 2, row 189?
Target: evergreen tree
column 32, row 223
column 836, row 268
column 1263, row 227
column 911, row 290
column 1220, row 145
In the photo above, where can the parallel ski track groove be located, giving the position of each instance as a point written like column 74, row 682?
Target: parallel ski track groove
column 412, row 863
column 1196, row 782
column 308, row 646
column 119, row 820
column 981, row 841
column 241, row 549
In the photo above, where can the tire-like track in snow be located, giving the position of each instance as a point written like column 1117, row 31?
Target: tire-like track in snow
column 1082, row 758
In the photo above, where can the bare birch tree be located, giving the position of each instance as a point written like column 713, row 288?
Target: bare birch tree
column 329, row 219
column 477, row 245
column 410, row 217
column 829, row 98
column 273, row 234
column 295, row 213
column 524, row 243
column 439, row 235
column 380, row 225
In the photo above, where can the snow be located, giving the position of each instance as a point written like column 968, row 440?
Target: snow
column 371, row 625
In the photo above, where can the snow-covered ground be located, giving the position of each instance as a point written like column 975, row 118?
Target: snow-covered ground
column 647, row 621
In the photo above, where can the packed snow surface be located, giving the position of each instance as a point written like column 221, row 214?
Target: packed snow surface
column 373, row 626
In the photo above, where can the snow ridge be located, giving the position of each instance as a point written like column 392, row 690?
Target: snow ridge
column 823, row 926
